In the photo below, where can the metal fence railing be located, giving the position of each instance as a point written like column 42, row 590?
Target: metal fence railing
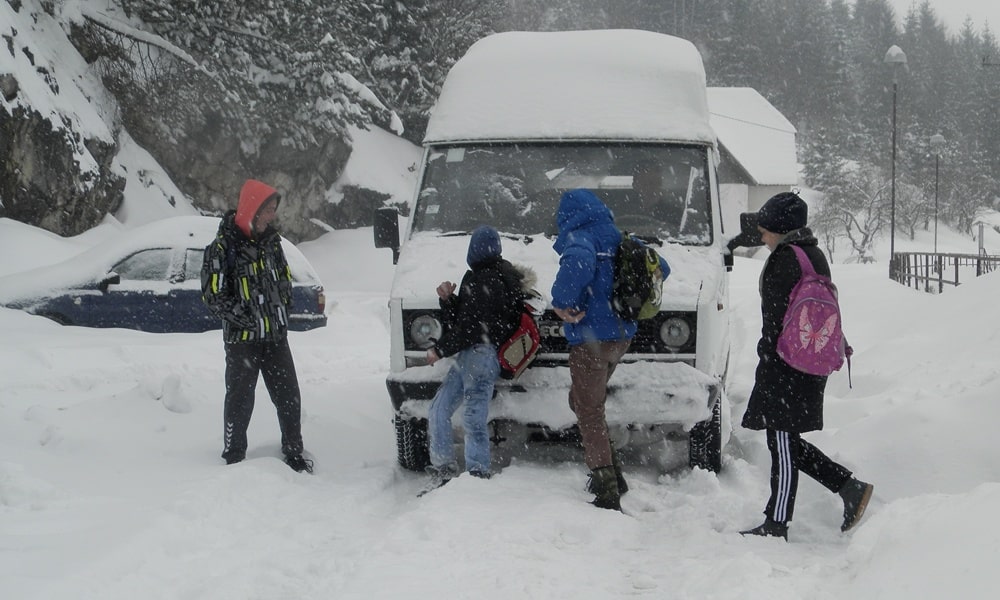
column 934, row 271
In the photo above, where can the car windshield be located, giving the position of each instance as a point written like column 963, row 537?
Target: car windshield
column 146, row 265
column 654, row 190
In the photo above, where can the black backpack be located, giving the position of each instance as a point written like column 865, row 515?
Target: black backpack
column 638, row 284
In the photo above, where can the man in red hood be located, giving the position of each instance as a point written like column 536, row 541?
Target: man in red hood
column 246, row 282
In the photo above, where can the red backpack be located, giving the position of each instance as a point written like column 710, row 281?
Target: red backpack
column 521, row 347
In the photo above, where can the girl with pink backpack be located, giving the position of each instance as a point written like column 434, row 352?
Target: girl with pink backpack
column 787, row 400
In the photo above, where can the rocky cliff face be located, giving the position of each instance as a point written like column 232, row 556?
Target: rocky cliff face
column 209, row 163
column 54, row 176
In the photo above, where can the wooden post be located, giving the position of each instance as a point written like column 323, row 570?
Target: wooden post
column 927, row 272
column 940, row 274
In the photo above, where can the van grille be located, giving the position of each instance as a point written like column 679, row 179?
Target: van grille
column 646, row 341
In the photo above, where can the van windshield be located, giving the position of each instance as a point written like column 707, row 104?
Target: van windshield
column 657, row 191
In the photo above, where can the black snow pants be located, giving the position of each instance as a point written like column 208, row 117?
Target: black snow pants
column 789, row 455
column 244, row 361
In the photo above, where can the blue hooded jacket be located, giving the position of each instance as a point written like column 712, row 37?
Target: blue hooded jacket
column 587, row 243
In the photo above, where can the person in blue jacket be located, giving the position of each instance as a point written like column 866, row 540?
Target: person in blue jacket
column 598, row 338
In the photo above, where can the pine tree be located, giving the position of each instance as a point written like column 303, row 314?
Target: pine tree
column 874, row 31
column 276, row 71
column 406, row 49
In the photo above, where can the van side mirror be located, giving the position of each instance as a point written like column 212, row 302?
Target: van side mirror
column 749, row 236
column 386, row 230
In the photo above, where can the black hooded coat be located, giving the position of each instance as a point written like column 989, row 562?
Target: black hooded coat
column 783, row 398
column 490, row 298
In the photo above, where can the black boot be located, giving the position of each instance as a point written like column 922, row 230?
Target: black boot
column 299, row 464
column 604, row 486
column 769, row 528
column 856, row 494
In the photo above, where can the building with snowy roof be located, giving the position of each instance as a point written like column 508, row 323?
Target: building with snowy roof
column 757, row 144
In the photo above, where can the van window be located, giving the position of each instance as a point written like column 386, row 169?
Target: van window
column 657, row 190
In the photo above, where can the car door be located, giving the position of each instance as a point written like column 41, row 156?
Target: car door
column 137, row 301
column 185, row 294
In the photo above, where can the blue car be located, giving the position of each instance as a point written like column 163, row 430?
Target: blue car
column 148, row 278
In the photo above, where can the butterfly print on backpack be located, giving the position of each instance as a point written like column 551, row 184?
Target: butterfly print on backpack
column 819, row 339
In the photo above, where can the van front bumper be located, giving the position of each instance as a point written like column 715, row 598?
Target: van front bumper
column 639, row 394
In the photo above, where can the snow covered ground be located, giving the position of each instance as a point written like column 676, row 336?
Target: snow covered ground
column 111, row 486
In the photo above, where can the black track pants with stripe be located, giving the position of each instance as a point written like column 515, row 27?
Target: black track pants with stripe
column 244, row 361
column 789, row 455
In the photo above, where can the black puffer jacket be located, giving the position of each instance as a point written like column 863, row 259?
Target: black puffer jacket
column 784, row 398
column 247, row 284
column 486, row 310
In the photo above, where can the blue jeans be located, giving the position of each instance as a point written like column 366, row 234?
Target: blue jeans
column 471, row 380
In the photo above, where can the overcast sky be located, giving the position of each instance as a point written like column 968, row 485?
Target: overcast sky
column 953, row 12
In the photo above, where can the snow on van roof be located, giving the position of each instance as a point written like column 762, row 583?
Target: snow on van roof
column 605, row 84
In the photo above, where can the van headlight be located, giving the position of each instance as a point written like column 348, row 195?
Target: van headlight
column 675, row 332
column 425, row 330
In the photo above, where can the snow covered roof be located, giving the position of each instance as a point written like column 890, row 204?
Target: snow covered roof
column 755, row 133
column 605, row 84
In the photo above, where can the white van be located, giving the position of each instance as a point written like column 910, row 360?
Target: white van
column 521, row 118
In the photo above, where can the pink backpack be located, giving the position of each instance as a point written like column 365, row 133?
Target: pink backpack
column 811, row 339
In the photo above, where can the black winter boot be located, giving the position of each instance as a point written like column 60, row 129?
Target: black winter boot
column 856, row 494
column 604, row 485
column 299, row 464
column 769, row 528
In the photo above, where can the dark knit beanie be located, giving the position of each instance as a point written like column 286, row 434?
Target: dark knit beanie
column 784, row 212
column 485, row 244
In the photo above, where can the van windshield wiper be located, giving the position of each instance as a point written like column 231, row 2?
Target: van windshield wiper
column 649, row 239
column 526, row 239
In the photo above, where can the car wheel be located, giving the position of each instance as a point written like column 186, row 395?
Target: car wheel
column 412, row 442
column 705, row 442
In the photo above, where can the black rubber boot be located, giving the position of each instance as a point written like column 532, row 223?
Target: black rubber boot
column 604, row 485
column 769, row 528
column 856, row 494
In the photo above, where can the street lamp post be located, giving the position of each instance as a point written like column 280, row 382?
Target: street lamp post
column 937, row 142
column 895, row 57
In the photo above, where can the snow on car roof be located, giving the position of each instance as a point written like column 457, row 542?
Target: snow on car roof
column 607, row 84
column 95, row 262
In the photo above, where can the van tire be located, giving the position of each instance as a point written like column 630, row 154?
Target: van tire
column 412, row 443
column 705, row 441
